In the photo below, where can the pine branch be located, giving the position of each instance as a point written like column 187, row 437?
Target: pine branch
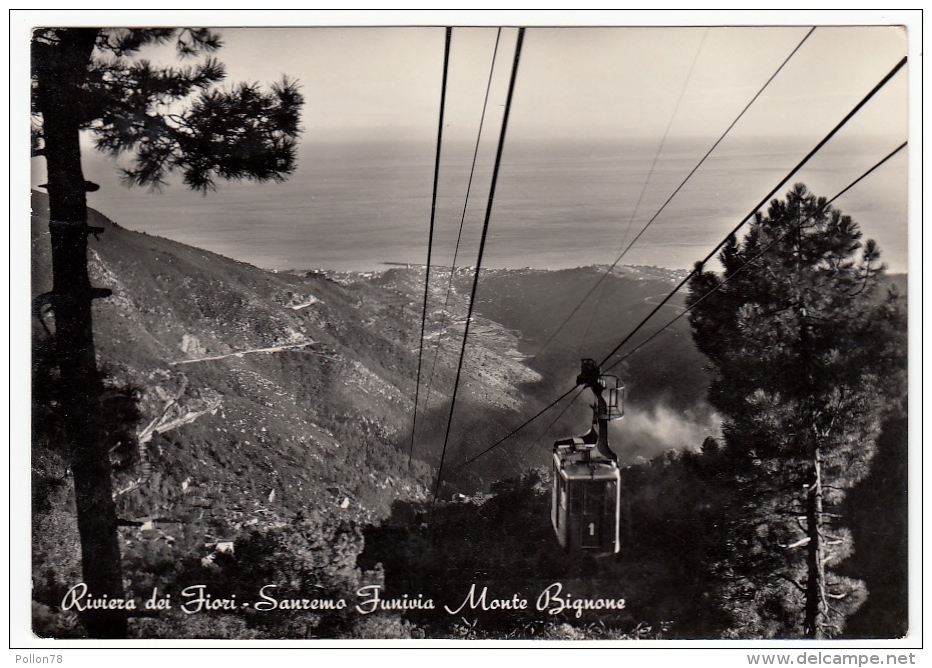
column 801, row 542
column 836, row 539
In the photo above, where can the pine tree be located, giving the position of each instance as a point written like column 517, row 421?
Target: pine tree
column 798, row 339
column 163, row 119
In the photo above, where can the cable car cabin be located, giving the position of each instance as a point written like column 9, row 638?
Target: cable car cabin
column 586, row 503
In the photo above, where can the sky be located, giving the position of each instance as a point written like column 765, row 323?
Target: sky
column 574, row 82
column 655, row 84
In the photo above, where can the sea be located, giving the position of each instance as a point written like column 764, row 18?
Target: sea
column 558, row 203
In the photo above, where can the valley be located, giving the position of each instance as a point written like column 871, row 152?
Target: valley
column 260, row 432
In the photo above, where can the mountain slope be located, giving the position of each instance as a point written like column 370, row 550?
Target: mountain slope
column 182, row 316
column 260, row 426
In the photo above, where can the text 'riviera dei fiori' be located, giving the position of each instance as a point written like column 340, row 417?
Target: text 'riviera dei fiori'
column 195, row 599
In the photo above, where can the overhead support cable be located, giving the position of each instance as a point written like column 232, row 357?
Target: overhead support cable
column 767, row 249
column 725, row 280
column 654, row 217
column 669, row 199
column 555, row 420
column 760, row 204
column 482, row 240
column 799, row 166
column 459, row 236
column 637, row 205
column 430, row 239
column 680, row 315
column 517, row 429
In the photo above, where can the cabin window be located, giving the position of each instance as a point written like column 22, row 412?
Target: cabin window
column 594, row 498
column 577, row 496
column 610, row 494
column 591, row 497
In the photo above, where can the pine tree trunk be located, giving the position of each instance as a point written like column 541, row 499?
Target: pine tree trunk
column 80, row 386
column 815, row 582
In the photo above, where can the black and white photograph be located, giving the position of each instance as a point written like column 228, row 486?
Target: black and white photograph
column 468, row 330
